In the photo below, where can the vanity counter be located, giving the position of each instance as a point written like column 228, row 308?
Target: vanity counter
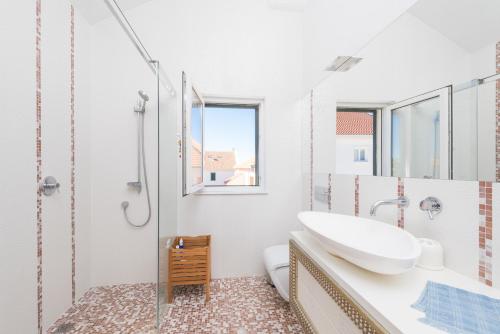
column 387, row 299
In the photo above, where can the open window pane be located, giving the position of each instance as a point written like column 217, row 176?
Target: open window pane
column 231, row 145
column 192, row 137
column 196, row 139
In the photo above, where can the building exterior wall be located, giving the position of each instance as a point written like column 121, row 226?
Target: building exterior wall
column 345, row 155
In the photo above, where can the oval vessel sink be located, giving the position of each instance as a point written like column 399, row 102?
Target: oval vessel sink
column 375, row 246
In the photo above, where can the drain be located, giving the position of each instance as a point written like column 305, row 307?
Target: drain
column 64, row 328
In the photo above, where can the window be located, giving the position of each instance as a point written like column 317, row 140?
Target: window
column 231, row 144
column 360, row 154
column 356, row 141
column 222, row 151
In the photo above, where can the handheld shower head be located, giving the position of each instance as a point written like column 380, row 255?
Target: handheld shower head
column 143, row 95
column 141, row 101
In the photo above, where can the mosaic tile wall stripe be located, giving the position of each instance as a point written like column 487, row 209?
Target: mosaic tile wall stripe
column 38, row 125
column 356, row 195
column 498, row 114
column 485, row 232
column 401, row 210
column 311, row 158
column 72, row 166
column 330, row 192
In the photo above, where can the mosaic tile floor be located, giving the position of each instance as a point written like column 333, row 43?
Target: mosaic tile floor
column 238, row 305
column 120, row 309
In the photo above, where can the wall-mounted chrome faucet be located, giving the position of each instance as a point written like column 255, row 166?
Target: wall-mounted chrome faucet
column 401, row 201
column 432, row 206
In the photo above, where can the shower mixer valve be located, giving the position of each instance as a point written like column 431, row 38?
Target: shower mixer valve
column 135, row 185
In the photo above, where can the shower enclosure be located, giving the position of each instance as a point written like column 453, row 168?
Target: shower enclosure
column 71, row 263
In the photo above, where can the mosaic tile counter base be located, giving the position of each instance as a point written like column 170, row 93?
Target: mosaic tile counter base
column 238, row 305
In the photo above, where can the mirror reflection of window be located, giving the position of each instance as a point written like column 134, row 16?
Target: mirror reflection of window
column 356, row 134
column 416, row 140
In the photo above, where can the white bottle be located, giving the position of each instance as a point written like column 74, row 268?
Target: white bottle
column 181, row 243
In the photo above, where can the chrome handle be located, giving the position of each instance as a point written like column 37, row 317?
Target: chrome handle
column 432, row 206
column 49, row 186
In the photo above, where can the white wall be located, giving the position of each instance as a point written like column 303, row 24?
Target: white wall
column 18, row 178
column 120, row 253
column 456, row 227
column 341, row 28
column 18, row 244
column 409, row 58
column 56, row 232
column 220, row 177
column 82, row 153
column 345, row 146
column 237, row 48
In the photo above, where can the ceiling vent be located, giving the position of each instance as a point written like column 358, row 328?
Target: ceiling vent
column 343, row 64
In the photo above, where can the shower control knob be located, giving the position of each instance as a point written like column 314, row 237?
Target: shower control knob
column 432, row 206
column 49, row 186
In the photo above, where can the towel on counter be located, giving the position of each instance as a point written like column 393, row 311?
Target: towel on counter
column 458, row 311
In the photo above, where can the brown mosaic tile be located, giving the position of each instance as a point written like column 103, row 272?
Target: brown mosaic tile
column 38, row 139
column 72, row 148
column 356, row 195
column 311, row 148
column 401, row 209
column 124, row 309
column 237, row 305
column 330, row 189
column 485, row 234
column 498, row 115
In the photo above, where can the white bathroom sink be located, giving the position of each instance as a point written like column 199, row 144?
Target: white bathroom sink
column 375, row 246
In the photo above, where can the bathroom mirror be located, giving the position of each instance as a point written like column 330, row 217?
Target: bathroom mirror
column 421, row 99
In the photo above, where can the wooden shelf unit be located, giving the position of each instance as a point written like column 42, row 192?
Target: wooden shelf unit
column 190, row 265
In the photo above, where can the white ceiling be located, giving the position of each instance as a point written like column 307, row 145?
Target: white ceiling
column 288, row 5
column 96, row 10
column 472, row 24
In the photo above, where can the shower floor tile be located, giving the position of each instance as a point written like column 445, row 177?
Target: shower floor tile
column 120, row 309
column 237, row 305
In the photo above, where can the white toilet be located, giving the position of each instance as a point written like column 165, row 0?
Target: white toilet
column 277, row 261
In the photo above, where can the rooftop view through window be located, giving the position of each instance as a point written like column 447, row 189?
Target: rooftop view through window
column 230, row 145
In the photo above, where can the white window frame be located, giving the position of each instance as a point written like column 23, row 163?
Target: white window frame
column 242, row 190
column 187, row 102
column 444, row 95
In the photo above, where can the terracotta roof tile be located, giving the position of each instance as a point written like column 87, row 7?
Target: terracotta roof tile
column 196, row 154
column 219, row 161
column 354, row 123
